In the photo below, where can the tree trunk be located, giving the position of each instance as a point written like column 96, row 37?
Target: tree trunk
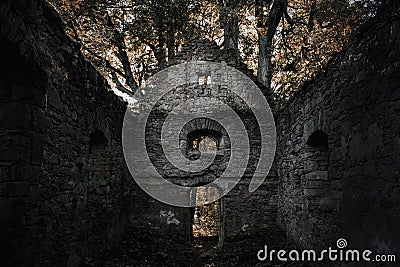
column 124, row 59
column 171, row 45
column 263, row 60
column 230, row 24
column 130, row 81
column 265, row 42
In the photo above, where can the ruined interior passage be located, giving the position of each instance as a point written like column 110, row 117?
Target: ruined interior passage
column 206, row 219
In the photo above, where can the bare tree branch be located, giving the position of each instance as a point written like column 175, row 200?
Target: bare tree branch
column 119, row 85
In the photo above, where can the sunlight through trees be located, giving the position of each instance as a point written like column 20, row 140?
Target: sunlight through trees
column 285, row 42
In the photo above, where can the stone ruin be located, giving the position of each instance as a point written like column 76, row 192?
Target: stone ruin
column 66, row 193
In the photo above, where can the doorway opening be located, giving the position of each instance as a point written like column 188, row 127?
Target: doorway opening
column 206, row 221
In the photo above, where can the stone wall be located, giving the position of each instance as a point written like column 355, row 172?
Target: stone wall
column 65, row 191
column 205, row 50
column 257, row 210
column 66, row 194
column 338, row 160
column 22, row 131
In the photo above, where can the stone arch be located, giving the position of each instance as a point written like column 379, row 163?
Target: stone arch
column 203, row 127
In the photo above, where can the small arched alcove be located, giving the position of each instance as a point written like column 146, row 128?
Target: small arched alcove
column 98, row 141
column 316, row 182
column 318, row 139
column 318, row 152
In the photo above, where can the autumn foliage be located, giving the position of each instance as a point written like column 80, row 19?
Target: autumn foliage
column 285, row 42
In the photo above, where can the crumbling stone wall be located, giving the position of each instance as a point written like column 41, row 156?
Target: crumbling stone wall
column 22, row 131
column 346, row 186
column 205, row 50
column 65, row 196
column 243, row 212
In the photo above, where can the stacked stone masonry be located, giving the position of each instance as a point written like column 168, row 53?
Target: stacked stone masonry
column 338, row 160
column 66, row 195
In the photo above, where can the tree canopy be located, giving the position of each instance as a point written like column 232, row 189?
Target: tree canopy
column 285, row 42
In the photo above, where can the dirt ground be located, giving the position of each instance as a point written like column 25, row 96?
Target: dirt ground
column 142, row 248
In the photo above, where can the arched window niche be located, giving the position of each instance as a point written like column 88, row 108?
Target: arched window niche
column 203, row 135
column 204, row 140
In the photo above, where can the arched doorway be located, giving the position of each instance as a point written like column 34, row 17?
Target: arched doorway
column 206, row 220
